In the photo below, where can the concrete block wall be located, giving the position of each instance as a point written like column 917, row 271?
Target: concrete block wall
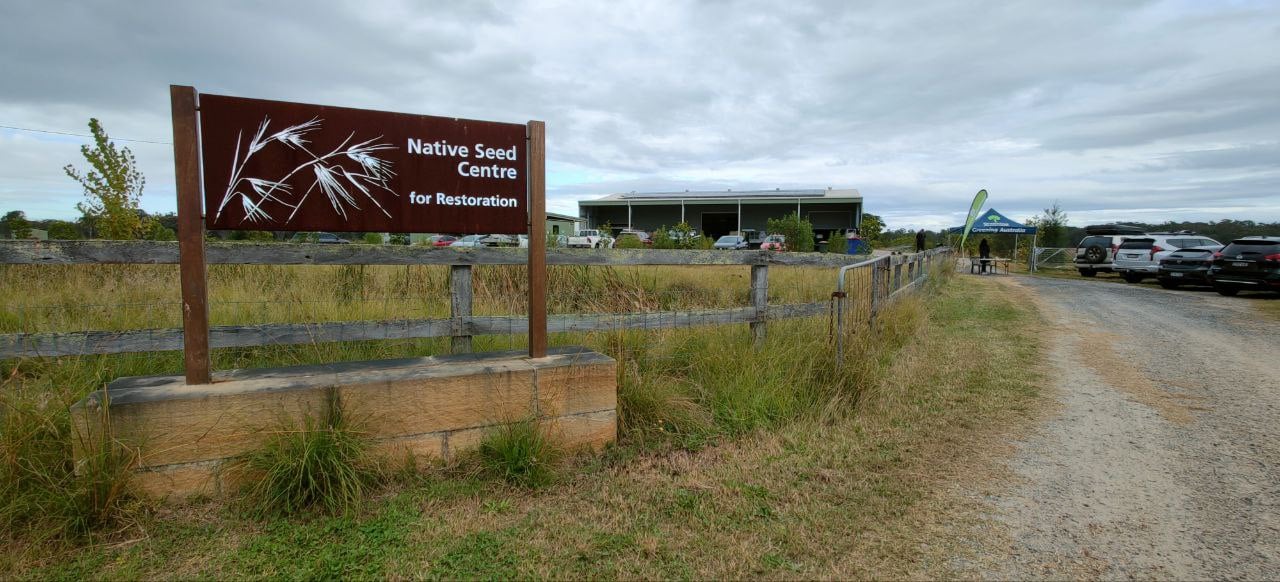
column 431, row 408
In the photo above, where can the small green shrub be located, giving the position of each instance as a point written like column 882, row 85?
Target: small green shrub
column 662, row 240
column 324, row 463
column 372, row 238
column 399, row 238
column 684, row 236
column 629, row 242
column 520, row 453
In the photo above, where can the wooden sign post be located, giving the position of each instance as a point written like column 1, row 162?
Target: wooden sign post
column 537, row 239
column 191, row 265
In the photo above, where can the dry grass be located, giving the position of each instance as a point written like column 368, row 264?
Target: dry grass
column 857, row 488
column 54, row 298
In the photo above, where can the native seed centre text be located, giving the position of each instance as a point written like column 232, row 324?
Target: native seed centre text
column 466, row 167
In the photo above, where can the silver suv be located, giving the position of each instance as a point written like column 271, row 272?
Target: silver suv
column 1139, row 257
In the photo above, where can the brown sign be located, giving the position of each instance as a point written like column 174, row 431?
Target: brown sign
column 274, row 165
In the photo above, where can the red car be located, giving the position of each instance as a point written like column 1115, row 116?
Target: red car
column 774, row 242
column 442, row 240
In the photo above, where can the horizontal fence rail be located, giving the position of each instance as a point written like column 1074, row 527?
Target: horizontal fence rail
column 239, row 336
column 888, row 276
column 164, row 253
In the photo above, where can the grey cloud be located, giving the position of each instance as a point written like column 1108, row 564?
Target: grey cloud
column 1103, row 104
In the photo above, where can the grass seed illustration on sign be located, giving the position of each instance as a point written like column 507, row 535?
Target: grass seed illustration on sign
column 331, row 177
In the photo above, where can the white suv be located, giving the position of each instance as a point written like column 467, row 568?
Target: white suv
column 1139, row 257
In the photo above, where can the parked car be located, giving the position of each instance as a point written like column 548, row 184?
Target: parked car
column 324, row 238
column 590, row 239
column 469, row 241
column 730, row 242
column 1188, row 266
column 774, row 242
column 1139, row 257
column 1097, row 250
column 500, row 240
column 442, row 240
column 1251, row 263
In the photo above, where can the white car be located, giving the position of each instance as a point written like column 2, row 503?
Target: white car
column 469, row 241
column 590, row 239
column 1139, row 257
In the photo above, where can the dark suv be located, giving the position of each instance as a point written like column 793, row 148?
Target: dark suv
column 1247, row 263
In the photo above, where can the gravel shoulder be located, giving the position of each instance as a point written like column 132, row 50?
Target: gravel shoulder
column 1162, row 459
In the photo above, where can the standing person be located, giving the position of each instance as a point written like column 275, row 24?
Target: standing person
column 984, row 253
column 920, row 241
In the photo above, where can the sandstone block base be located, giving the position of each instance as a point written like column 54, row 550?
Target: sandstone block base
column 429, row 408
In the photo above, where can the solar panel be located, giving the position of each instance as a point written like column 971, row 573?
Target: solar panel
column 728, row 194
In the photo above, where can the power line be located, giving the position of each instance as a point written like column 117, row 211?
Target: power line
column 83, row 135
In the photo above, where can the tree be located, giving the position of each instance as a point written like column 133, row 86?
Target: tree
column 112, row 188
column 872, row 226
column 16, row 224
column 1052, row 226
column 62, row 230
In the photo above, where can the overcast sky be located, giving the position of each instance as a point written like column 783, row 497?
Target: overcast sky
column 1121, row 110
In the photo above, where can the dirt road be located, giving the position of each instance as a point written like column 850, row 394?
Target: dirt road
column 1163, row 458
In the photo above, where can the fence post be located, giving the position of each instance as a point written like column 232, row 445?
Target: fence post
column 459, row 308
column 897, row 277
column 759, row 300
column 875, row 292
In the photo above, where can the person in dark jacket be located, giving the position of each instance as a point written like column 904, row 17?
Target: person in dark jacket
column 920, row 241
column 984, row 253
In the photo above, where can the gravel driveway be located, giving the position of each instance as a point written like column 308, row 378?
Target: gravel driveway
column 1163, row 459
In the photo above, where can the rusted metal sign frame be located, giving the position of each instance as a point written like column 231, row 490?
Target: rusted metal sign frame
column 184, row 102
column 282, row 165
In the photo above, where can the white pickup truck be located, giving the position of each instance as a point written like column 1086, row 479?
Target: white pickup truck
column 590, row 239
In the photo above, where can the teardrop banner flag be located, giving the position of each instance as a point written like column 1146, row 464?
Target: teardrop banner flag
column 978, row 201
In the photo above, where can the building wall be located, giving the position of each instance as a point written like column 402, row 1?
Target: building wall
column 564, row 227
column 826, row 217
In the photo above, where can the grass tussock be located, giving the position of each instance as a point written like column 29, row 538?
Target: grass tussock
column 44, row 494
column 521, row 453
column 323, row 462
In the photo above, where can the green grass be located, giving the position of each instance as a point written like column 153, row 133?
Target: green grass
column 827, row 475
column 520, row 452
column 322, row 463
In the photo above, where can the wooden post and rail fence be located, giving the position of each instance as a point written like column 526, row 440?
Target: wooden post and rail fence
column 886, row 278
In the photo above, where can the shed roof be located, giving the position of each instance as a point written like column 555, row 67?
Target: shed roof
column 829, row 194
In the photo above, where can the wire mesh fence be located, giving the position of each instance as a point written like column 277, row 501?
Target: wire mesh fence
column 1053, row 258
